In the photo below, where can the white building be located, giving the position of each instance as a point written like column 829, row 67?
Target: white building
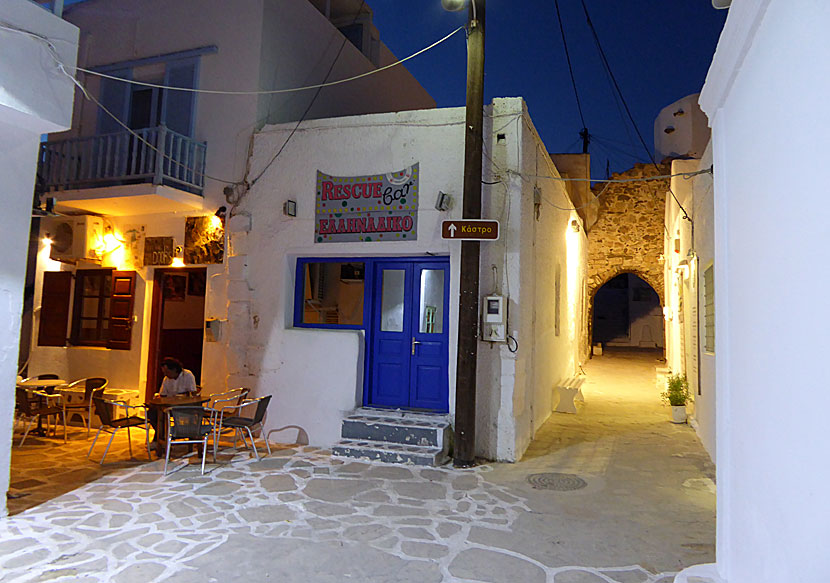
column 337, row 313
column 689, row 285
column 764, row 96
column 36, row 98
column 136, row 193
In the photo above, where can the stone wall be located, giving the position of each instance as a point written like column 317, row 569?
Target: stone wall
column 628, row 234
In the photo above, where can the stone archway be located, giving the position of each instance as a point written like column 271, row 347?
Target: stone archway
column 628, row 234
column 627, row 311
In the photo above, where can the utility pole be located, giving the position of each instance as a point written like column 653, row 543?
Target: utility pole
column 465, row 383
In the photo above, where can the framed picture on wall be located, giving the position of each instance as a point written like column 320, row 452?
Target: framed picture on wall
column 174, row 288
column 196, row 283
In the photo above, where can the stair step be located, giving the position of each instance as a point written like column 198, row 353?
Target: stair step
column 393, row 453
column 413, row 430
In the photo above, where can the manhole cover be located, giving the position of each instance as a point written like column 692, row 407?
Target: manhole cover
column 556, row 481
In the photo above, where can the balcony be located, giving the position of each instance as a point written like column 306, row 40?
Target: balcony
column 156, row 170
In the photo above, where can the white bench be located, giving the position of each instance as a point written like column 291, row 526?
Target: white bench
column 566, row 393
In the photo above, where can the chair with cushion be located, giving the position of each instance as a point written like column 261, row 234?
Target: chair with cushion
column 227, row 419
column 30, row 410
column 187, row 424
column 84, row 407
column 111, row 424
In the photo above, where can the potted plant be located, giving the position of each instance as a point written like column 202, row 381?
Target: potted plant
column 677, row 394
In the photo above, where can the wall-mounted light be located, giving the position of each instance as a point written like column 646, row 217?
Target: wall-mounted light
column 178, row 259
column 289, row 208
column 442, row 203
column 574, row 225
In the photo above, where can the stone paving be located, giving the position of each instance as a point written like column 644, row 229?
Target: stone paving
column 302, row 515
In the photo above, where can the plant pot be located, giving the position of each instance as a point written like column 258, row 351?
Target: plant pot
column 678, row 413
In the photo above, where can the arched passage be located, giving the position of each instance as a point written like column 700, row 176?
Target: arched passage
column 626, row 311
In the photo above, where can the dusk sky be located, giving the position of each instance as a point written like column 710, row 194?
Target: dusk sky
column 658, row 50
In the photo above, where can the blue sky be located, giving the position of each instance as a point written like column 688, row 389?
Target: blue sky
column 659, row 51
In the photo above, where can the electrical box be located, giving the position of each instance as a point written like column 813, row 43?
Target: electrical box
column 213, row 329
column 494, row 318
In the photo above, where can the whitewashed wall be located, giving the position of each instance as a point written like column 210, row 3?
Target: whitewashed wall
column 688, row 355
column 765, row 95
column 35, row 98
column 316, row 375
column 267, row 43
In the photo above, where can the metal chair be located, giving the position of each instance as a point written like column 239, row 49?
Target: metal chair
column 238, row 423
column 33, row 409
column 111, row 424
column 84, row 407
column 221, row 403
column 187, row 425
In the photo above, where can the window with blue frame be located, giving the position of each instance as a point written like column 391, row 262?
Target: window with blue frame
column 330, row 293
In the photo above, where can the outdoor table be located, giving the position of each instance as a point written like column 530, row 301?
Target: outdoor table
column 48, row 386
column 162, row 404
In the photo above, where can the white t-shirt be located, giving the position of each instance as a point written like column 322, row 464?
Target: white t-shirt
column 184, row 383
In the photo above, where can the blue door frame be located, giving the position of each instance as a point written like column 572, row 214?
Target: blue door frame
column 407, row 345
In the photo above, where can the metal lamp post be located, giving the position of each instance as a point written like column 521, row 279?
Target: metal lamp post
column 465, row 388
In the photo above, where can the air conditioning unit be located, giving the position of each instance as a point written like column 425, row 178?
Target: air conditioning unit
column 75, row 238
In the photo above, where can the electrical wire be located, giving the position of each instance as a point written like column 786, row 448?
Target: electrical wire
column 62, row 68
column 686, row 175
column 305, row 113
column 568, row 58
column 273, row 91
column 625, row 104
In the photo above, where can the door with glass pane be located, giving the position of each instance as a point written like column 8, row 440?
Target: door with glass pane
column 409, row 337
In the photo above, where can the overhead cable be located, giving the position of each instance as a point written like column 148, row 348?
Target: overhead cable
column 272, row 91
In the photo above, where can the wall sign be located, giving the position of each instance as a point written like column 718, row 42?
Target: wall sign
column 378, row 207
column 158, row 250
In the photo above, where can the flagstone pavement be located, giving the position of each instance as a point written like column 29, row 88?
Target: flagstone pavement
column 646, row 511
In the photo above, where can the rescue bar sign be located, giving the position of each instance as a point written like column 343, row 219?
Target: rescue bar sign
column 379, row 207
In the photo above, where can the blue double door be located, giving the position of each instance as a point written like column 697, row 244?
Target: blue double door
column 408, row 336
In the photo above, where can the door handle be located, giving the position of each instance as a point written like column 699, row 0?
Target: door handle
column 414, row 342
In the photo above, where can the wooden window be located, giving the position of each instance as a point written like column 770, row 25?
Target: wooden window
column 54, row 308
column 102, row 310
column 90, row 314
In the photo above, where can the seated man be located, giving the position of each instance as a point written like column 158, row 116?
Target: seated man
column 177, row 381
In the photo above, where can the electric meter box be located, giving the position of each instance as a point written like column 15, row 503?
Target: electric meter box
column 494, row 318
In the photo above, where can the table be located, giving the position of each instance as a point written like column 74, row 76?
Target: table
column 48, row 386
column 160, row 405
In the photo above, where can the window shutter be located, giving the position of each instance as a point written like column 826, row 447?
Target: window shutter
column 121, row 310
column 54, row 308
column 179, row 106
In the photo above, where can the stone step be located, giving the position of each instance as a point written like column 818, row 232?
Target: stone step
column 391, row 453
column 408, row 430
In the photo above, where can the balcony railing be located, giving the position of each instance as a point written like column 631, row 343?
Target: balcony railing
column 122, row 158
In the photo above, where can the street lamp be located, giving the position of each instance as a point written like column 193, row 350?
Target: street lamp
column 465, row 380
column 453, row 5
